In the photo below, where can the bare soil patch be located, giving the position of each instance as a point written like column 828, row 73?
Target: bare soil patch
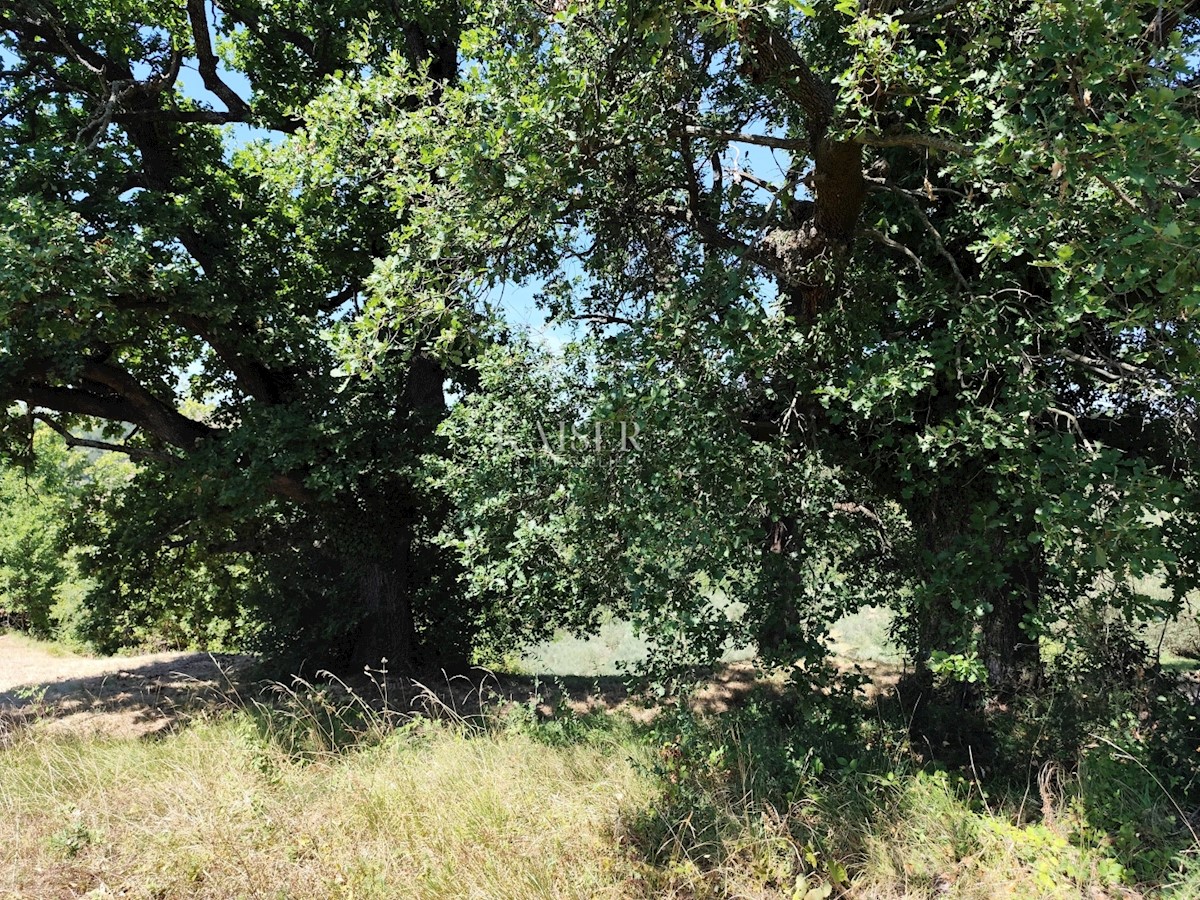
column 124, row 696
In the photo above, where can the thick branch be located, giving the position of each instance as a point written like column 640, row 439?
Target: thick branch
column 882, row 238
column 736, row 137
column 76, row 401
column 1105, row 367
column 109, row 392
column 838, row 187
column 711, row 234
column 921, row 141
column 927, row 12
column 207, row 61
column 183, row 116
column 858, row 509
column 776, row 58
column 34, row 22
column 164, row 423
column 252, row 377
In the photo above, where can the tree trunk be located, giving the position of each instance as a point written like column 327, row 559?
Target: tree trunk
column 934, row 626
column 1011, row 655
column 406, row 618
column 386, row 636
column 779, row 619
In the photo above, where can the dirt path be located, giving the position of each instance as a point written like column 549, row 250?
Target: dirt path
column 138, row 696
column 127, row 696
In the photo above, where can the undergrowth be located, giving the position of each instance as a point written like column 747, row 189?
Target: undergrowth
column 311, row 790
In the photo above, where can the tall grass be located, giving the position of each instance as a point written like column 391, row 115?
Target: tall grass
column 220, row 811
column 313, row 792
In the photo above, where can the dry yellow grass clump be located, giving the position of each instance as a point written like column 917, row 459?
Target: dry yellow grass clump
column 214, row 811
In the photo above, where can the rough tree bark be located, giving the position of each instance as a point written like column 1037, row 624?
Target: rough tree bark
column 1011, row 655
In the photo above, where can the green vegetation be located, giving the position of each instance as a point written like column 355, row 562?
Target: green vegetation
column 863, row 447
column 899, row 301
column 39, row 581
column 321, row 796
column 942, row 358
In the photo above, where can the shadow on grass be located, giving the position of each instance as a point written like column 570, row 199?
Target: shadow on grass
column 925, row 789
column 146, row 699
column 141, row 700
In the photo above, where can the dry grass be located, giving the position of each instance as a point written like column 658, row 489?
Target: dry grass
column 319, row 794
column 214, row 811
column 435, row 810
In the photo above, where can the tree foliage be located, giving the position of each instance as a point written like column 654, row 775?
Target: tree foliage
column 182, row 269
column 36, row 567
column 900, row 296
column 958, row 316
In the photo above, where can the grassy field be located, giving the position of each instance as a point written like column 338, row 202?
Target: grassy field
column 306, row 798
column 214, row 811
column 218, row 810
column 862, row 636
column 313, row 793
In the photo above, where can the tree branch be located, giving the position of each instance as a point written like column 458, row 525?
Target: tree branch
column 75, row 441
column 1102, row 368
column 605, row 319
column 183, row 116
column 252, row 377
column 865, row 512
column 159, row 418
column 118, row 409
column 882, row 238
column 935, row 235
column 109, row 392
column 710, row 233
column 207, row 61
column 776, row 57
column 927, row 12
column 871, row 139
column 837, row 180
column 737, row 137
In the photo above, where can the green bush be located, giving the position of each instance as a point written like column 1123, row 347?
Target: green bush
column 36, row 568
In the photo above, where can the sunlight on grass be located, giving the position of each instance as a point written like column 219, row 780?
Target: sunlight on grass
column 50, row 648
column 215, row 812
column 863, row 636
column 517, row 809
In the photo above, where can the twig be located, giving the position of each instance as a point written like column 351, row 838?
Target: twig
column 877, row 235
column 929, row 226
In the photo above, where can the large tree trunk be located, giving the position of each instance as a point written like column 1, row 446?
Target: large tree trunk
column 398, row 572
column 934, row 627
column 386, row 636
column 1011, row 655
